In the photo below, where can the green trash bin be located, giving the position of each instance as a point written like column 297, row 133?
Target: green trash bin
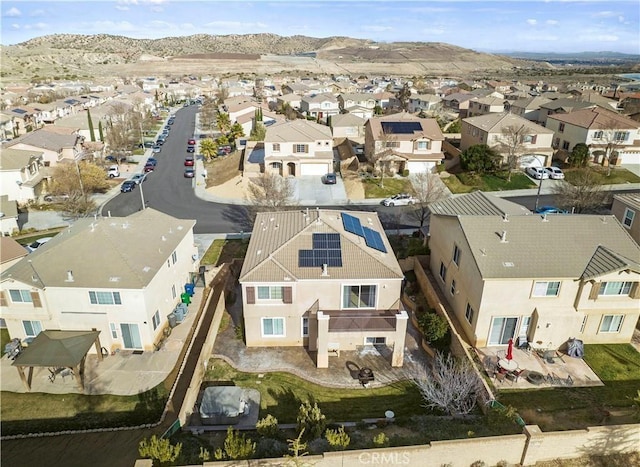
column 185, row 298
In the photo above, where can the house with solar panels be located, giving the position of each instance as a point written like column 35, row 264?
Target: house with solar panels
column 399, row 142
column 324, row 280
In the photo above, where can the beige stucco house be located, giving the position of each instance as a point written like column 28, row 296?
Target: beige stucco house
column 320, row 106
column 501, row 131
column 348, row 126
column 626, row 208
column 56, row 143
column 21, row 174
column 546, row 278
column 324, row 280
column 404, row 142
column 120, row 276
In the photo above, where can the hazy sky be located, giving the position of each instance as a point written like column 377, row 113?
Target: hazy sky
column 493, row 25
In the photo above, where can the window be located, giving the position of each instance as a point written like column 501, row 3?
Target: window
column 272, row 327
column 556, row 142
column 300, row 148
column 104, row 298
column 156, row 320
column 565, row 145
column 456, row 255
column 621, row 136
column 531, row 139
column 392, row 144
column 114, row 330
column 453, row 287
column 173, row 291
column 275, row 147
column 359, row 296
column 32, row 328
column 443, row 271
column 469, row 314
column 423, row 145
column 546, row 289
column 561, row 127
column 375, row 340
column 305, row 327
column 615, row 288
column 270, row 293
column 584, row 324
column 23, row 296
column 276, row 165
column 628, row 217
column 597, row 135
column 611, row 323
column 174, row 257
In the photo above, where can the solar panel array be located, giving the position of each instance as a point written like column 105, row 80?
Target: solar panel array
column 326, row 250
column 400, row 128
column 20, row 111
column 372, row 238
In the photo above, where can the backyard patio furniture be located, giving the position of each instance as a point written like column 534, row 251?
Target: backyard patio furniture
column 535, row 377
column 365, row 376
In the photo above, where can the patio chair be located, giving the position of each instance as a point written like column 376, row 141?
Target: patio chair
column 500, row 377
column 515, row 375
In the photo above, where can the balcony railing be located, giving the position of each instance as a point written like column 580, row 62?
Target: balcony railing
column 361, row 320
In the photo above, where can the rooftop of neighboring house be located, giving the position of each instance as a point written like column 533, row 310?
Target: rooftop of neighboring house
column 293, row 246
column 289, row 97
column 496, row 122
column 107, row 252
column 299, row 130
column 405, row 127
column 477, row 203
column 492, row 101
column 45, row 139
column 8, row 208
column 596, row 118
column 356, row 96
column 322, row 97
column 17, row 159
column 10, row 250
column 458, row 96
column 630, row 199
column 342, row 120
column 566, row 104
column 530, row 102
column 425, row 97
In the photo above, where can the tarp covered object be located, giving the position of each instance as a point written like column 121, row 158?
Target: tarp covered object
column 575, row 348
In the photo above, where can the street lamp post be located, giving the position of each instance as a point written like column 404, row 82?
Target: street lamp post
column 538, row 194
column 142, row 195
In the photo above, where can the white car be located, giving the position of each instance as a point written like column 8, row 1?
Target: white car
column 554, row 173
column 537, row 173
column 401, row 199
column 37, row 244
column 138, row 178
column 113, row 171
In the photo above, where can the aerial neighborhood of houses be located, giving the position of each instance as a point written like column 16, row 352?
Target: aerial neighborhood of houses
column 321, row 279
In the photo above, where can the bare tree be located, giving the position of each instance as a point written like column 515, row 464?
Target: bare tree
column 608, row 140
column 381, row 153
column 427, row 188
column 450, row 384
column 585, row 194
column 271, row 192
column 511, row 142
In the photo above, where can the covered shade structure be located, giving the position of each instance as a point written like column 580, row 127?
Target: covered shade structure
column 58, row 349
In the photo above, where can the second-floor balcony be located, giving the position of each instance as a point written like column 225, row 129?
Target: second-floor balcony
column 361, row 320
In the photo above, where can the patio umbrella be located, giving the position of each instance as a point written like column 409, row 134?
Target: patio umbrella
column 510, row 350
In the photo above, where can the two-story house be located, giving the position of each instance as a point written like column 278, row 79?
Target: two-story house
column 487, row 105
column 320, row 106
column 403, row 141
column 561, row 105
column 347, row 101
column 325, row 280
column 528, row 107
column 507, row 132
column 606, row 133
column 56, row 143
column 423, row 102
column 487, row 260
column 297, row 147
column 120, row 276
column 626, row 208
column 21, row 174
column 348, row 126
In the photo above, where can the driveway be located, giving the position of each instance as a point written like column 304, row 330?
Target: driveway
column 310, row 190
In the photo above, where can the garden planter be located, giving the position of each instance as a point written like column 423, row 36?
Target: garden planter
column 427, row 348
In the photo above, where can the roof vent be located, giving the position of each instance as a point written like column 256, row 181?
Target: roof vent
column 325, row 270
column 164, row 239
column 483, row 252
column 544, row 217
column 34, row 278
column 503, row 237
column 505, row 217
column 259, row 252
column 604, row 220
column 114, row 279
column 69, row 276
column 508, row 264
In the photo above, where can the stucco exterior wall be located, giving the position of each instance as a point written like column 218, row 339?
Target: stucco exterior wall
column 618, row 209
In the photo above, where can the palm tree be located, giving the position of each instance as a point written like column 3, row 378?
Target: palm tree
column 208, row 148
column 224, row 122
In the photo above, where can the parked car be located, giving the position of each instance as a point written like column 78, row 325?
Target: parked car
column 138, row 178
column 127, row 186
column 170, row 121
column 37, row 244
column 554, row 173
column 189, row 172
column 550, row 210
column 157, row 149
column 149, row 168
column 329, row 179
column 56, row 198
column 191, row 142
column 152, row 161
column 191, row 149
column 189, row 160
column 146, row 144
column 401, row 199
column 112, row 158
column 113, row 171
column 537, row 173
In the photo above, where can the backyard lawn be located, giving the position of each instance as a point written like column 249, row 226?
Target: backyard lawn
column 223, row 251
column 465, row 182
column 617, row 176
column 391, row 186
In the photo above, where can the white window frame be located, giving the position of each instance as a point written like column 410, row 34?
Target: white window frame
column 174, row 257
column 155, row 320
column 538, row 292
column 469, row 313
column 453, row 287
column 627, row 219
column 456, row 255
column 423, row 145
column 304, row 326
column 300, row 148
column 114, row 330
column 25, row 296
column 275, row 147
column 620, row 288
column 34, row 324
column 345, row 303
column 272, row 291
column 97, row 297
column 377, row 340
column 262, row 329
column 613, row 318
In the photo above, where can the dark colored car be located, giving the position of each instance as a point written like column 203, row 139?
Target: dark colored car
column 189, row 172
column 329, row 179
column 191, row 149
column 170, row 121
column 149, row 168
column 127, row 186
column 113, row 158
column 152, row 161
column 188, row 161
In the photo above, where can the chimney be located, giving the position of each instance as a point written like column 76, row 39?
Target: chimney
column 503, row 236
column 325, row 271
column 69, row 275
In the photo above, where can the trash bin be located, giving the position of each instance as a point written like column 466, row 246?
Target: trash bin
column 185, row 298
column 173, row 321
column 189, row 288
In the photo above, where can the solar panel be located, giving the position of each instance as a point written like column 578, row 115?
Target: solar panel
column 373, row 239
column 20, row 111
column 352, row 224
column 316, row 258
column 400, row 128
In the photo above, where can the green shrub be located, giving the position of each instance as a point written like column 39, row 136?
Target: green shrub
column 433, row 326
column 381, row 440
column 405, row 173
column 158, row 449
column 311, row 420
column 236, row 446
column 268, row 427
column 338, row 439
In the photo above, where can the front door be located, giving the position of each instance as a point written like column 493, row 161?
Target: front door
column 131, row 336
column 502, row 329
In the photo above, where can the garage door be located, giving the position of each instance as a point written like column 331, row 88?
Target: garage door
column 314, row 169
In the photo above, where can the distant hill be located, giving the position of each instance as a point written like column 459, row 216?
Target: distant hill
column 595, row 58
column 68, row 55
